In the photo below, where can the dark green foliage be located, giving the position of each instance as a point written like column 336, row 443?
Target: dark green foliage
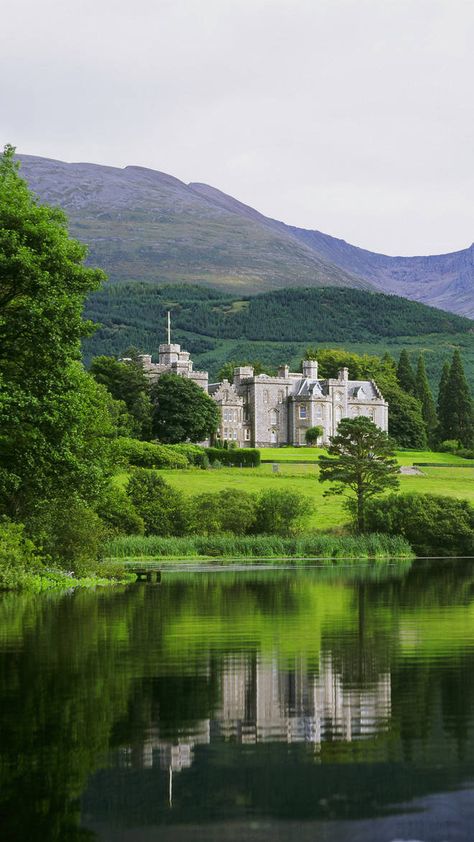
column 313, row 434
column 182, row 411
column 164, row 510
column 423, row 393
column 229, row 510
column 443, row 400
column 361, row 463
column 117, row 511
column 129, row 315
column 244, row 457
column 70, row 533
column 405, row 374
column 144, row 454
column 433, row 525
column 281, row 512
column 456, row 410
column 127, row 382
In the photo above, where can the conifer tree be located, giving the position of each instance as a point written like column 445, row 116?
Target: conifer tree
column 424, row 395
column 456, row 406
column 443, row 402
column 405, row 374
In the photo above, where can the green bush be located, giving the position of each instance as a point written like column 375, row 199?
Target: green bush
column 195, row 454
column 164, row 510
column 229, row 510
column 19, row 558
column 243, row 457
column 144, row 454
column 281, row 512
column 70, row 533
column 433, row 524
column 117, row 511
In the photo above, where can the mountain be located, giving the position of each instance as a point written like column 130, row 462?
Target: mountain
column 145, row 225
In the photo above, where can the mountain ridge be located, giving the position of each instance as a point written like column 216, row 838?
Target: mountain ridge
column 146, row 225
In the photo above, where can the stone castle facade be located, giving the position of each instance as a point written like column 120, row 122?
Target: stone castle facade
column 259, row 410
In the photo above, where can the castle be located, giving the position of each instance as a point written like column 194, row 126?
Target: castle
column 259, row 410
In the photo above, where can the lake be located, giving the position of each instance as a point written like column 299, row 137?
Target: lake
column 333, row 704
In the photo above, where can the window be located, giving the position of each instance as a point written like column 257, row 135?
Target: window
column 338, row 396
column 280, row 396
column 273, row 417
column 319, row 412
column 224, row 415
column 265, row 395
column 226, row 433
column 235, row 435
column 236, row 415
column 302, row 411
column 247, row 434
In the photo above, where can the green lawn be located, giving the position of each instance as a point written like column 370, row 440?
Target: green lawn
column 303, row 478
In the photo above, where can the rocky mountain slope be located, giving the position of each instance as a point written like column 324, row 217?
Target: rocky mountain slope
column 144, row 225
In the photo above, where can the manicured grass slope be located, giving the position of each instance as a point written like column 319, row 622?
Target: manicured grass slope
column 455, row 480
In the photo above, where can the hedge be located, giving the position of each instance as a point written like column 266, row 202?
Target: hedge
column 145, row 454
column 241, row 457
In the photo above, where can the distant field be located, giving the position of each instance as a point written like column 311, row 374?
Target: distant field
column 312, row 454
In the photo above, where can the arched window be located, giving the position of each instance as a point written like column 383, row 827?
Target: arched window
column 273, row 417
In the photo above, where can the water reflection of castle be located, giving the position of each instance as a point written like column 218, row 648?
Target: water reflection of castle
column 262, row 702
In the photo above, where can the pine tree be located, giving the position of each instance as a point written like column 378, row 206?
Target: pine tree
column 424, row 395
column 443, row 402
column 456, row 406
column 405, row 374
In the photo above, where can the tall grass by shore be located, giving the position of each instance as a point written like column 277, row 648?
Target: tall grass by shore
column 324, row 547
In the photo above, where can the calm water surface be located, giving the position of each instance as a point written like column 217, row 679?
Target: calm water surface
column 309, row 705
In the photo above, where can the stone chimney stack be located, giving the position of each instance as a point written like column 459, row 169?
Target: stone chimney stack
column 310, row 369
column 284, row 371
column 343, row 374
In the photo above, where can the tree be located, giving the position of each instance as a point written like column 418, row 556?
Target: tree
column 54, row 419
column 313, row 434
column 443, row 401
column 127, row 382
column 182, row 410
column 455, row 405
column 361, row 463
column 405, row 374
column 424, row 395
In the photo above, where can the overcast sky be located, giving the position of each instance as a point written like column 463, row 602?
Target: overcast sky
column 354, row 117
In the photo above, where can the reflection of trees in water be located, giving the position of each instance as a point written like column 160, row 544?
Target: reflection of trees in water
column 87, row 673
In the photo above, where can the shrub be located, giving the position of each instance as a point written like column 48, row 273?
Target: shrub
column 164, row 510
column 19, row 559
column 243, row 457
column 195, row 455
column 117, row 511
column 69, row 532
column 145, row 454
column 433, row 524
column 229, row 510
column 280, row 512
column 313, row 434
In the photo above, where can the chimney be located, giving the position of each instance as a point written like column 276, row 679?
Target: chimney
column 310, row 369
column 343, row 374
column 284, row 371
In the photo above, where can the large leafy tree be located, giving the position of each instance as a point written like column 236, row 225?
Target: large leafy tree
column 182, row 410
column 361, row 464
column 54, row 418
column 456, row 411
column 126, row 381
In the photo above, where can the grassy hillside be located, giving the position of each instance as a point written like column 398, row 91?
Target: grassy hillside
column 274, row 327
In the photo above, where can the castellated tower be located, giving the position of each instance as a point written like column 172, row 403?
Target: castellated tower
column 172, row 360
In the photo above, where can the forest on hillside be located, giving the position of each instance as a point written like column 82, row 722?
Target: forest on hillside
column 274, row 327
